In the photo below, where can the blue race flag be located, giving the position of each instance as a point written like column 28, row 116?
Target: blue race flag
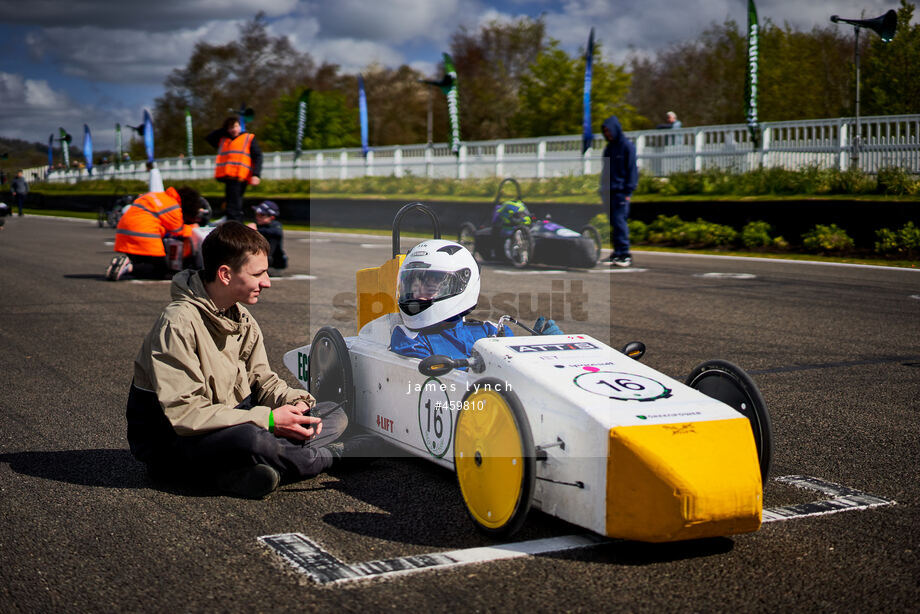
column 118, row 148
column 587, row 133
column 362, row 110
column 88, row 148
column 51, row 152
column 148, row 135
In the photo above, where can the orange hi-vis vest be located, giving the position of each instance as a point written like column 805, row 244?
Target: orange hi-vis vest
column 233, row 158
column 141, row 229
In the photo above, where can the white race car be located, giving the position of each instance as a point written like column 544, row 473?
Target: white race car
column 563, row 423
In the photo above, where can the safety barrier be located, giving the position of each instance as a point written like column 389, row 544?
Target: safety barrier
column 885, row 141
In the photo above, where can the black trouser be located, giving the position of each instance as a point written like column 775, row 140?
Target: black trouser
column 154, row 442
column 233, row 193
column 149, row 267
column 248, row 444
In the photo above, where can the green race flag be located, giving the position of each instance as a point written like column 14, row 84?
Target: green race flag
column 448, row 85
column 750, row 84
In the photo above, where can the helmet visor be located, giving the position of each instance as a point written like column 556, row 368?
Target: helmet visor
column 419, row 288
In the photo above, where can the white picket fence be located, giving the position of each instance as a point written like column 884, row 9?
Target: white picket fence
column 885, row 141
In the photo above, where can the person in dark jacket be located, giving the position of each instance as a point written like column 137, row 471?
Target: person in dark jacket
column 619, row 178
column 19, row 188
column 269, row 227
column 238, row 164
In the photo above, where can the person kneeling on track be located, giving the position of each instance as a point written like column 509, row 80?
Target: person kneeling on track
column 205, row 403
column 438, row 285
column 143, row 226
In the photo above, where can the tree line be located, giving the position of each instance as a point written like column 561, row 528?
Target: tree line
column 515, row 81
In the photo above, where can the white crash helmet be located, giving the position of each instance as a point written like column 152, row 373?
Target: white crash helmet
column 438, row 280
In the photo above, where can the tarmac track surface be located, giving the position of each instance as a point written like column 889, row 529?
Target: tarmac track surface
column 834, row 349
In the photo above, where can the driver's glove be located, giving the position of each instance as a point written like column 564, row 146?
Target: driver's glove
column 547, row 327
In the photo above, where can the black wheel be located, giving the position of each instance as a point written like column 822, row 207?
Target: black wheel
column 728, row 383
column 330, row 376
column 591, row 233
column 519, row 247
column 467, row 237
column 113, row 217
column 494, row 458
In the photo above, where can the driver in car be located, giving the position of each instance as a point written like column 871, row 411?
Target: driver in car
column 438, row 286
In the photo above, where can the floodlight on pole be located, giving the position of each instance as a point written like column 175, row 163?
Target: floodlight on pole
column 885, row 26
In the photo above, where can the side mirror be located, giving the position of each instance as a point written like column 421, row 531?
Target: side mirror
column 634, row 349
column 438, row 364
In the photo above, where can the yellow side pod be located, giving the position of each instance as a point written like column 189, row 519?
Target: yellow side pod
column 377, row 290
column 669, row 482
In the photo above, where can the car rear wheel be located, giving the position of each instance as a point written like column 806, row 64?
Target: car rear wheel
column 494, row 458
column 591, row 233
column 330, row 376
column 728, row 383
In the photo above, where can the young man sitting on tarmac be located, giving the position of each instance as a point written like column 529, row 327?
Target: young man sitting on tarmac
column 204, row 401
column 142, row 228
column 438, row 285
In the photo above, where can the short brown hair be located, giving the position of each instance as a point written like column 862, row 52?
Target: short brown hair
column 231, row 243
column 230, row 121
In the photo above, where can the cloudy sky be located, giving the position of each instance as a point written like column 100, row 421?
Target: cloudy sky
column 70, row 62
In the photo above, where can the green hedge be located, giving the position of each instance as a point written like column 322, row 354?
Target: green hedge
column 758, row 236
column 812, row 181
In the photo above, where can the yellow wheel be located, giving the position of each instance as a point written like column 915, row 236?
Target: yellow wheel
column 494, row 458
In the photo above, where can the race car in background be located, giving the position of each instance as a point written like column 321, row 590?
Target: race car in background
column 525, row 240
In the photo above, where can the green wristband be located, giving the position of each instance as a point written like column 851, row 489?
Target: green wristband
column 271, row 421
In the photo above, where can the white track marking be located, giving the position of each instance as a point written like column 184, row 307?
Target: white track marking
column 308, row 557
column 843, row 499
column 727, row 275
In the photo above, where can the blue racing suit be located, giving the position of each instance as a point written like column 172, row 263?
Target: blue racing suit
column 453, row 338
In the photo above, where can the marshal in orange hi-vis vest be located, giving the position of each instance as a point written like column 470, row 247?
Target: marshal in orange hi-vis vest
column 141, row 229
column 234, row 160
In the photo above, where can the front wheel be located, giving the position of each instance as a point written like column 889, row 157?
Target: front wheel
column 494, row 458
column 329, row 370
column 519, row 247
column 727, row 382
column 467, row 237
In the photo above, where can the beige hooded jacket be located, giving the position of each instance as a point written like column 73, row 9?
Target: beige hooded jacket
column 201, row 364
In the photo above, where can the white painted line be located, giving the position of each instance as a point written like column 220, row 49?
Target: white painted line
column 915, row 296
column 108, row 242
column 315, row 240
column 727, row 275
column 619, row 270
column 308, row 557
column 374, row 245
column 843, row 500
column 531, row 272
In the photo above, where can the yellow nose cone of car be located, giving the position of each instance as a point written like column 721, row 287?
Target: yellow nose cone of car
column 669, row 482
